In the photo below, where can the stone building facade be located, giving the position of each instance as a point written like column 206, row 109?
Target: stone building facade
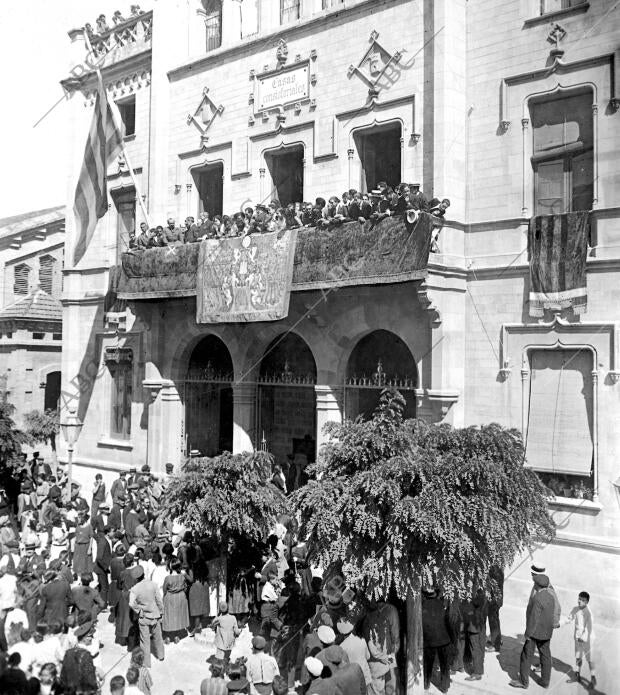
column 229, row 105
column 31, row 260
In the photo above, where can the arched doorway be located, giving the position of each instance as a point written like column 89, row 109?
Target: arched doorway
column 380, row 360
column 287, row 406
column 208, row 398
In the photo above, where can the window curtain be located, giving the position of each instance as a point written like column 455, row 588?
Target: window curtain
column 559, row 433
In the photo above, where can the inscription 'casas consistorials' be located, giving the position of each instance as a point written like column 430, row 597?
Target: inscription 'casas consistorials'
column 276, row 90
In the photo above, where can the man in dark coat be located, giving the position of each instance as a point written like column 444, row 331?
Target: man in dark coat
column 437, row 638
column 85, row 599
column 417, row 199
column 116, row 520
column 119, row 487
column 29, row 574
column 55, row 598
column 102, row 561
column 539, row 622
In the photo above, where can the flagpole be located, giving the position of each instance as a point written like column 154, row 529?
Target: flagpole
column 114, row 110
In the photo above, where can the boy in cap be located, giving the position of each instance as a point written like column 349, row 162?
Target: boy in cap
column 226, row 631
column 261, row 668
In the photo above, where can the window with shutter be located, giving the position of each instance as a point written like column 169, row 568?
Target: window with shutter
column 21, row 279
column 563, row 157
column 559, row 432
column 46, row 273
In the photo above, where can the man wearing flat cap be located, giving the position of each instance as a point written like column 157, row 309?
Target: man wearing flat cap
column 119, row 486
column 347, row 677
column 145, row 601
column 538, row 632
column 78, row 673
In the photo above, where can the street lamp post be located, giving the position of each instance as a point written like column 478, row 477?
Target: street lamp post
column 71, row 428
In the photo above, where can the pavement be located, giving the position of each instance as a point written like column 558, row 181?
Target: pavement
column 185, row 664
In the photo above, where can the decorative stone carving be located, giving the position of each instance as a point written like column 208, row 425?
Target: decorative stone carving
column 204, row 115
column 555, row 35
column 282, row 52
column 374, row 64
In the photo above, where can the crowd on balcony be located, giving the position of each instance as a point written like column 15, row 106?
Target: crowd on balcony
column 406, row 200
column 101, row 23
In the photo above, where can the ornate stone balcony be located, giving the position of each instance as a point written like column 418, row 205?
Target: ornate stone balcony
column 126, row 37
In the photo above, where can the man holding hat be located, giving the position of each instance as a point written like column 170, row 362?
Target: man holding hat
column 261, row 668
column 145, row 601
column 417, row 199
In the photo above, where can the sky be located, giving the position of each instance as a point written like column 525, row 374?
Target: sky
column 35, row 54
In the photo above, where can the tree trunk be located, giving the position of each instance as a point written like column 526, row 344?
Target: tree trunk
column 415, row 678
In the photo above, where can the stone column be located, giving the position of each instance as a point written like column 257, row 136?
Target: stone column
column 329, row 408
column 244, row 408
column 166, row 425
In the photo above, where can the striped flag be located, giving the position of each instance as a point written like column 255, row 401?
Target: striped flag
column 104, row 144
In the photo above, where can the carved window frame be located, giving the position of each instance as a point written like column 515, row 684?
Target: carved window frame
column 518, row 340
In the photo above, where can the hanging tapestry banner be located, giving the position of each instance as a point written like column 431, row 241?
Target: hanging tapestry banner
column 558, row 249
column 243, row 279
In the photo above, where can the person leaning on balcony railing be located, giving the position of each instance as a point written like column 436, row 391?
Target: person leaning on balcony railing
column 173, row 235
column 144, row 240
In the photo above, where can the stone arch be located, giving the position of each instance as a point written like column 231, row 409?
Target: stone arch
column 207, row 395
column 287, row 404
column 378, row 360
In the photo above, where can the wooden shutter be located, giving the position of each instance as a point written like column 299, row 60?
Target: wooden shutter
column 46, row 273
column 21, row 279
column 559, row 433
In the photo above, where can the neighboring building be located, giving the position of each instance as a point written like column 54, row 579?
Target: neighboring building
column 507, row 108
column 31, row 259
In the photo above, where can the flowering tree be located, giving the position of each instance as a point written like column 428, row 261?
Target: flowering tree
column 226, row 498
column 396, row 504
column 43, row 427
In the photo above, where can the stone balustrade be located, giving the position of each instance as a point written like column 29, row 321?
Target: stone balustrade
column 125, row 37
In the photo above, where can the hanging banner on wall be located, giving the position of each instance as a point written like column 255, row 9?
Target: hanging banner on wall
column 246, row 278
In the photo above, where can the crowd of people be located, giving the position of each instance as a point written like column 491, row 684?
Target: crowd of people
column 68, row 562
column 407, row 200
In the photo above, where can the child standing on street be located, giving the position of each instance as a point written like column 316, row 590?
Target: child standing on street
column 226, row 631
column 581, row 616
